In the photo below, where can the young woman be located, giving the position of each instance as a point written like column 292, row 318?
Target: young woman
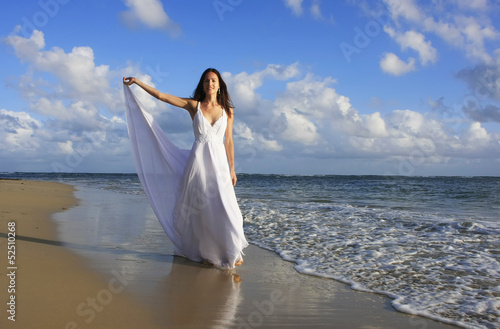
column 191, row 191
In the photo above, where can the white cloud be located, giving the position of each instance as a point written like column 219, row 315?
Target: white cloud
column 475, row 35
column 151, row 14
column 445, row 30
column 316, row 11
column 416, row 41
column 407, row 9
column 295, row 6
column 243, row 86
column 476, row 135
column 312, row 96
column 250, row 142
column 407, row 122
column 80, row 77
column 460, row 23
column 57, row 145
column 78, row 115
column 71, row 100
column 375, row 125
column 311, row 120
column 391, row 64
column 299, row 129
column 309, row 117
column 257, row 132
column 66, row 147
column 411, row 131
column 69, row 93
column 17, row 131
column 481, row 5
column 281, row 72
column 26, row 49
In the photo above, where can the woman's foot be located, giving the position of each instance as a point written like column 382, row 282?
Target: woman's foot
column 207, row 263
column 236, row 278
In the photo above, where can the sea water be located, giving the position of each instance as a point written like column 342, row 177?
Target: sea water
column 432, row 244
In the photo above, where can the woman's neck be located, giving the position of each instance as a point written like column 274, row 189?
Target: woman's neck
column 211, row 100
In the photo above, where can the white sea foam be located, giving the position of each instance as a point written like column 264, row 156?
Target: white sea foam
column 430, row 265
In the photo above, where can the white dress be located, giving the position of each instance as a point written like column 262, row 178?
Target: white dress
column 190, row 191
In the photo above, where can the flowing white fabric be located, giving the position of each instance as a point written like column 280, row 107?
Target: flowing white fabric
column 190, row 191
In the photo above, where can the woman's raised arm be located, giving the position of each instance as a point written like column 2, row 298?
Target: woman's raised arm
column 188, row 104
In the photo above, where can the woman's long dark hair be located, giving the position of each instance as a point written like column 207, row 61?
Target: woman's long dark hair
column 223, row 97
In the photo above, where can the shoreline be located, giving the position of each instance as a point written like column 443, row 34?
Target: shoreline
column 103, row 262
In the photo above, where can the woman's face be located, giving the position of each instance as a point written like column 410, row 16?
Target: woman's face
column 211, row 83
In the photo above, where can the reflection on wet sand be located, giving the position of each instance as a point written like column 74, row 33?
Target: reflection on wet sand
column 193, row 294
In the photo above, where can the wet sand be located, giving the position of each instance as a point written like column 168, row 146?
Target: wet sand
column 103, row 261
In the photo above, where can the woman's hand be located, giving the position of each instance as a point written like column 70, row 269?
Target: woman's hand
column 129, row 81
column 233, row 177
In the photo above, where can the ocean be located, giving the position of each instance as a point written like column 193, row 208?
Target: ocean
column 431, row 244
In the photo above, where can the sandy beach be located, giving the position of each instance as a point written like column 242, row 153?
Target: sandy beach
column 84, row 258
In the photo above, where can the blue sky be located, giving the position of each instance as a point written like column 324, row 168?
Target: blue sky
column 398, row 87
